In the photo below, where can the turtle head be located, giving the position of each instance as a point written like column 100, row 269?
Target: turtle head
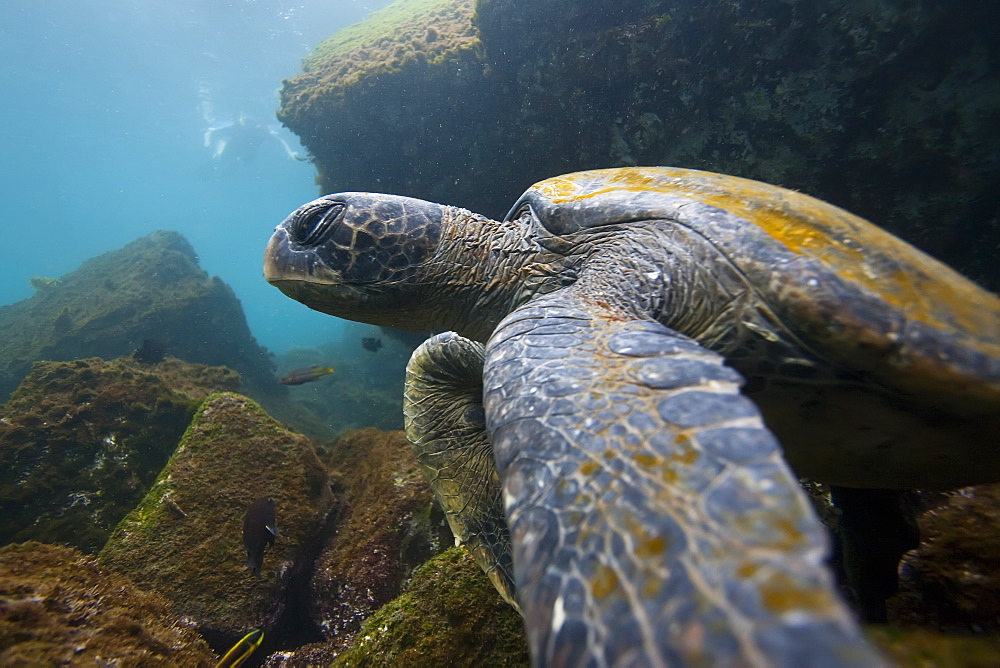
column 356, row 256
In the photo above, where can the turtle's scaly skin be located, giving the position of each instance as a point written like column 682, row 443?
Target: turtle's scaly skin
column 650, row 514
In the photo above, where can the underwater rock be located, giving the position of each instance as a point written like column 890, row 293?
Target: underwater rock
column 152, row 288
column 60, row 607
column 231, row 454
column 449, row 614
column 81, row 442
column 952, row 580
column 412, row 57
column 923, row 647
column 885, row 109
column 389, row 527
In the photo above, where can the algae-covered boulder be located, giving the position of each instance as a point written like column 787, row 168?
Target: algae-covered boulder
column 59, row 607
column 449, row 614
column 391, row 81
column 185, row 539
column 81, row 442
column 152, row 289
column 389, row 526
column 888, row 109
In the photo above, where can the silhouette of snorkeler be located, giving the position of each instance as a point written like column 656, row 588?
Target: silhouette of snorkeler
column 240, row 140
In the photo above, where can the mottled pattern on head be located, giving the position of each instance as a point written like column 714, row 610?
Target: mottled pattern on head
column 362, row 238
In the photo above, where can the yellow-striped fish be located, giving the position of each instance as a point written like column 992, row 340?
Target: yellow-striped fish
column 241, row 650
column 305, row 375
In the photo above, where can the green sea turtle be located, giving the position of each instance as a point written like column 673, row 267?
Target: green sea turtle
column 605, row 454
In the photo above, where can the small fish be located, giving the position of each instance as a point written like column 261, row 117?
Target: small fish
column 241, row 650
column 259, row 530
column 305, row 375
column 371, row 343
column 172, row 506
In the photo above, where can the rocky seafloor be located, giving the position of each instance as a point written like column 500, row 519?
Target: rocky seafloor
column 361, row 572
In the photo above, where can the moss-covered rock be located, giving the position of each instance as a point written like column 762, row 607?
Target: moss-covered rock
column 426, row 30
column 60, row 607
column 886, row 108
column 449, row 614
column 923, row 647
column 185, row 538
column 409, row 61
column 81, row 442
column 152, row 288
column 388, row 528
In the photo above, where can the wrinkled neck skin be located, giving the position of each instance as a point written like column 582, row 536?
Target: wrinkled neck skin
column 484, row 269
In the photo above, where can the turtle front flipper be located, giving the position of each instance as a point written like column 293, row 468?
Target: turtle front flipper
column 443, row 414
column 652, row 517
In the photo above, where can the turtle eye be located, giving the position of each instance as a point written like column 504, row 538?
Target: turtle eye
column 313, row 224
column 520, row 212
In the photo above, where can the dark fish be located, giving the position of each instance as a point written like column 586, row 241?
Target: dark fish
column 259, row 530
column 241, row 650
column 371, row 343
column 152, row 351
column 305, row 375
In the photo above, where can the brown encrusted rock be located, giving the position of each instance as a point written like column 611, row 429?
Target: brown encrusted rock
column 952, row 580
column 389, row 527
column 60, row 607
column 152, row 288
column 81, row 442
column 449, row 614
column 185, row 539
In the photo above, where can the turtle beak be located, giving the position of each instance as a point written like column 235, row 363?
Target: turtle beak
column 277, row 248
column 283, row 264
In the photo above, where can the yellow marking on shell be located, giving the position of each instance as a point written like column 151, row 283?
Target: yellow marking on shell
column 604, row 582
column 645, row 460
column 687, row 456
column 589, row 467
column 780, row 594
column 747, row 570
column 883, row 265
column 788, row 535
column 651, row 587
column 650, row 546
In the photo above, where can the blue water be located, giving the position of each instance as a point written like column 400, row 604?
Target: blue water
column 102, row 125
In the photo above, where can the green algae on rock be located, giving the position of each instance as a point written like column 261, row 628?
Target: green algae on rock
column 910, row 646
column 152, row 288
column 81, row 442
column 408, row 60
column 449, row 614
column 419, row 29
column 232, row 453
column 60, row 607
